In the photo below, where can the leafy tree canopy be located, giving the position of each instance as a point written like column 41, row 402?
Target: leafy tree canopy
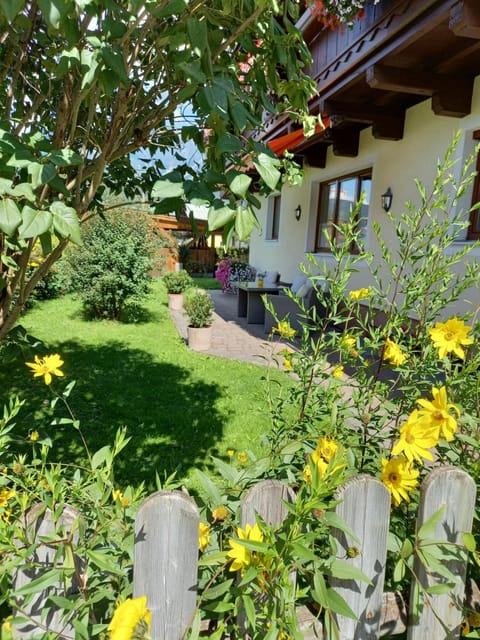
column 87, row 83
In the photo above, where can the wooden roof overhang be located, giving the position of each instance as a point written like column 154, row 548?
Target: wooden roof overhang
column 402, row 52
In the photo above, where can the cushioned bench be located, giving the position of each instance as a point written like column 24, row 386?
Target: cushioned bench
column 286, row 307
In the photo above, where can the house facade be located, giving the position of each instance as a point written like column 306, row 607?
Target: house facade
column 393, row 92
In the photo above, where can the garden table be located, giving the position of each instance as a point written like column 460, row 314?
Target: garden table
column 250, row 303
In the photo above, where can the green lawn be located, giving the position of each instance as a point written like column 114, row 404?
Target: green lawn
column 179, row 407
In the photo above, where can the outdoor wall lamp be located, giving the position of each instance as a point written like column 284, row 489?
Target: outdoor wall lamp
column 387, row 198
column 298, row 213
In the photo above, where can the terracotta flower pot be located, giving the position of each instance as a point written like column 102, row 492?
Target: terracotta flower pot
column 199, row 338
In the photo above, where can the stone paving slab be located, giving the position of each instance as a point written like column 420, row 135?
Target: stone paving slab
column 233, row 337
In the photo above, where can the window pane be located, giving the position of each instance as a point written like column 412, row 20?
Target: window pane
column 346, row 202
column 326, row 214
column 276, row 217
column 365, row 188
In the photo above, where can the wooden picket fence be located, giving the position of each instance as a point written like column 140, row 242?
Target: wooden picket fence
column 166, row 556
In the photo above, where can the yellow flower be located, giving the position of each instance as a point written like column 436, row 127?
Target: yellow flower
column 338, row 372
column 117, row 495
column 46, row 367
column 415, row 440
column 242, row 456
column 7, row 626
column 359, row 294
column 240, row 555
column 219, row 513
column 230, row 453
column 392, row 353
column 307, row 474
column 435, row 414
column 285, row 330
column 5, row 495
column 399, row 477
column 326, row 448
column 34, row 436
column 203, row 535
column 450, row 336
column 287, row 364
column 348, row 342
column 131, row 618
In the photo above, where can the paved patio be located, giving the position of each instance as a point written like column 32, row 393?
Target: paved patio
column 232, row 337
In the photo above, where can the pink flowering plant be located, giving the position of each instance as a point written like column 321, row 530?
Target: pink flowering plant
column 338, row 13
column 232, row 270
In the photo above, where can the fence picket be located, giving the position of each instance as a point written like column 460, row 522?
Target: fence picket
column 165, row 561
column 455, row 490
column 365, row 507
column 38, row 523
column 267, row 498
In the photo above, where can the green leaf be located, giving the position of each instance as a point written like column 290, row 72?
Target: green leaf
column 238, row 183
column 198, row 34
column 173, row 7
column 10, row 217
column 65, row 157
column 427, row 529
column 113, row 58
column 228, row 143
column 34, row 222
column 469, row 541
column 439, row 589
column 249, row 610
column 344, row 570
column 170, row 186
column 65, row 222
column 47, row 579
column 210, row 488
column 407, row 549
column 90, row 65
column 245, row 222
column 217, row 591
column 105, row 561
column 399, row 571
column 319, row 591
column 54, row 11
column 218, row 217
column 102, row 455
column 267, row 168
column 212, row 559
column 336, row 603
column 41, row 173
column 11, row 8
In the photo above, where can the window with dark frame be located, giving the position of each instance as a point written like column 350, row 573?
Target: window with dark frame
column 336, row 199
column 473, row 232
column 273, row 222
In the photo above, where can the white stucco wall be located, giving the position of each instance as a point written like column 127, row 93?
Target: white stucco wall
column 394, row 164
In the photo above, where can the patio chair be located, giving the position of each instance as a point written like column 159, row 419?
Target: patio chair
column 286, row 307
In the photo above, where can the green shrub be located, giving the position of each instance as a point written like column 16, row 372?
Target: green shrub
column 177, row 281
column 113, row 265
column 199, row 308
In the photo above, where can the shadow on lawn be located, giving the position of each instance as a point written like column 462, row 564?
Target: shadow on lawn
column 170, row 417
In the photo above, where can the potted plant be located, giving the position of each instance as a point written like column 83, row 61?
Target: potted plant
column 199, row 307
column 177, row 282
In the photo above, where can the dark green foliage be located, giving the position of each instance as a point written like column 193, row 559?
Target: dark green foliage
column 199, row 307
column 113, row 266
column 177, row 281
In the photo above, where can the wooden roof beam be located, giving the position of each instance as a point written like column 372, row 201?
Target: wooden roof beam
column 387, row 124
column 316, row 155
column 451, row 95
column 465, row 19
column 345, row 141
